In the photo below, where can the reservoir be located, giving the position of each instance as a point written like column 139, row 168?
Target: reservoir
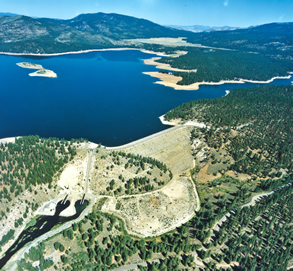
column 101, row 96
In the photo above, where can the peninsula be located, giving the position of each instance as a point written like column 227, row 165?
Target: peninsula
column 40, row 70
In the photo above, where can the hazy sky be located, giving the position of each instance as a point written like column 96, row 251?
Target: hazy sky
column 178, row 12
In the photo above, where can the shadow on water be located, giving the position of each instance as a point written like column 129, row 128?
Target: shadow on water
column 43, row 225
column 31, row 57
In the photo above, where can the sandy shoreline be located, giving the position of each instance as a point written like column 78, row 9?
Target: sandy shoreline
column 176, row 122
column 163, row 66
column 44, row 73
column 28, row 65
column 167, row 80
column 40, row 70
column 170, row 80
column 9, row 139
column 83, row 52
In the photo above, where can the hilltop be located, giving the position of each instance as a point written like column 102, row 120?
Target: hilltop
column 22, row 34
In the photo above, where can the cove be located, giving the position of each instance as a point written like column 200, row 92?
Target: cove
column 101, row 96
column 43, row 224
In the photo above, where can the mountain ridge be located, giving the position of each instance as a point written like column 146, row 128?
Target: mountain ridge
column 27, row 35
column 202, row 28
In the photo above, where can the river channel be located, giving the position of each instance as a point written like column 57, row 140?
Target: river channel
column 43, row 225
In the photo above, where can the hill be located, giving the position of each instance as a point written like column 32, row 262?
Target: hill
column 273, row 38
column 202, row 28
column 256, row 53
column 22, row 34
column 253, row 125
column 8, row 14
column 117, row 26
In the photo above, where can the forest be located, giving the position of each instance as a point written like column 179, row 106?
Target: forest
column 249, row 237
column 31, row 161
column 260, row 237
column 147, row 174
column 271, row 39
column 214, row 65
column 26, row 164
column 261, row 116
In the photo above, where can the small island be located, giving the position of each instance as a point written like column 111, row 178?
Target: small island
column 41, row 71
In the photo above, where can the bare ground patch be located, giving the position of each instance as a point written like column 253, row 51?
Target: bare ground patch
column 172, row 148
column 157, row 212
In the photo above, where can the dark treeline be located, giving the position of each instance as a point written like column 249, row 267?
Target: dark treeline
column 265, row 145
column 137, row 160
column 216, row 65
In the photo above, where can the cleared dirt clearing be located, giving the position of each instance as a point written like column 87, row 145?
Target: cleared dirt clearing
column 157, row 212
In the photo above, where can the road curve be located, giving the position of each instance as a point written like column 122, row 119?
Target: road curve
column 253, row 201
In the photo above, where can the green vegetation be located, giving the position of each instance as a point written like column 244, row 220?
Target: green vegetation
column 216, row 65
column 271, row 39
column 261, row 148
column 97, row 31
column 29, row 162
column 35, row 255
column 147, row 174
column 98, row 242
column 7, row 237
column 101, row 245
column 259, row 237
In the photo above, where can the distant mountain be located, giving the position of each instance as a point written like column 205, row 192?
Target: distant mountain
column 273, row 38
column 7, row 14
column 117, row 26
column 202, row 28
column 22, row 34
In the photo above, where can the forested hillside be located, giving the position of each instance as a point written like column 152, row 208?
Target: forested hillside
column 273, row 38
column 256, row 53
column 30, row 162
column 263, row 146
column 117, row 26
column 216, row 65
column 22, row 34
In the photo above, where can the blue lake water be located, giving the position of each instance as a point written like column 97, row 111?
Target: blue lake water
column 101, row 96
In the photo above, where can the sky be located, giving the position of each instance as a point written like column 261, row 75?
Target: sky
column 240, row 13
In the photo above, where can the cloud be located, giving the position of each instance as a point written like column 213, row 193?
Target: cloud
column 281, row 17
column 226, row 3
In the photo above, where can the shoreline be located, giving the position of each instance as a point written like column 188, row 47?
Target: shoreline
column 41, row 72
column 170, row 80
column 85, row 51
column 167, row 80
column 166, row 66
